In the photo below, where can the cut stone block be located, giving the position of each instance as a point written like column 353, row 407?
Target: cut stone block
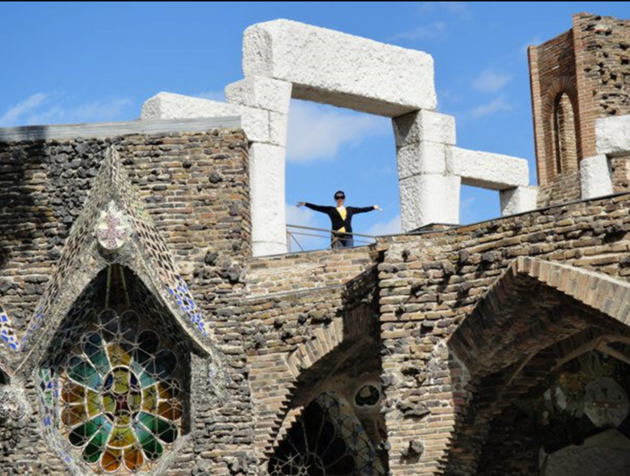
column 429, row 198
column 613, row 135
column 260, row 92
column 267, row 193
column 595, row 177
column 255, row 122
column 421, row 157
column 339, row 69
column 518, row 200
column 424, row 126
column 278, row 127
column 486, row 170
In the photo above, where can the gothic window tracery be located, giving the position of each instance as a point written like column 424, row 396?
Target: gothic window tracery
column 326, row 440
column 113, row 391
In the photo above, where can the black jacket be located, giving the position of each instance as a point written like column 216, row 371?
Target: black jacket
column 335, row 218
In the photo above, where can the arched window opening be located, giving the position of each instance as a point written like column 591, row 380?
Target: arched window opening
column 113, row 389
column 328, row 439
column 564, row 135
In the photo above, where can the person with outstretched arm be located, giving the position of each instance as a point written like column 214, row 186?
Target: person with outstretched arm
column 340, row 218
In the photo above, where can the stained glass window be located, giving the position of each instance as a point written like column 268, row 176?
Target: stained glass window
column 120, row 405
column 326, row 440
column 113, row 390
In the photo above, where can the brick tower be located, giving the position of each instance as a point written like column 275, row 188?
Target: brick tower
column 577, row 77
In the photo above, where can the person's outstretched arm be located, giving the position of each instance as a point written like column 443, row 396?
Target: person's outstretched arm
column 356, row 210
column 317, row 208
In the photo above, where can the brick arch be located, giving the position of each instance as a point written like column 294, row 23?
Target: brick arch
column 510, row 342
column 276, row 381
column 562, row 85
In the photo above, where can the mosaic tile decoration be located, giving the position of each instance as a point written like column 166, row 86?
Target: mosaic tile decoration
column 6, row 330
column 112, row 184
column 327, row 439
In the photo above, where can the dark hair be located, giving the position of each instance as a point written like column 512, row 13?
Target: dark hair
column 339, row 192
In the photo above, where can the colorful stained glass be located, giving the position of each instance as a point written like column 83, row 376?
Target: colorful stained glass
column 120, row 399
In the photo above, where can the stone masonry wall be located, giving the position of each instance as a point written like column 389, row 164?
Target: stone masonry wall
column 591, row 64
column 429, row 285
column 602, row 58
column 195, row 188
column 303, row 271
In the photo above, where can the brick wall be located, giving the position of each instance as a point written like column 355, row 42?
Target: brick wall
column 430, row 285
column 591, row 65
column 195, row 187
column 603, row 71
column 565, row 188
column 552, row 73
column 303, row 271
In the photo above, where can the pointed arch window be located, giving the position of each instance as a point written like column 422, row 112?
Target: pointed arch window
column 326, row 440
column 565, row 138
column 113, row 390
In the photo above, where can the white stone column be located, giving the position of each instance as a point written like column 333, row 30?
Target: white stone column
column 267, row 160
column 428, row 192
column 518, row 200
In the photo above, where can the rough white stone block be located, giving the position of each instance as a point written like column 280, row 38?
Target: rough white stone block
column 518, row 200
column 421, row 157
column 429, row 198
column 340, row 69
column 424, row 126
column 595, row 177
column 486, row 170
column 267, row 196
column 255, row 122
column 260, row 92
column 612, row 135
column 278, row 127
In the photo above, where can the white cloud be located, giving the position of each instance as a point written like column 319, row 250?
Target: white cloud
column 497, row 105
column 15, row 113
column 317, row 132
column 431, row 30
column 390, row 227
column 49, row 108
column 489, row 81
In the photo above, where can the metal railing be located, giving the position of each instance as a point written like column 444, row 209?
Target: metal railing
column 311, row 232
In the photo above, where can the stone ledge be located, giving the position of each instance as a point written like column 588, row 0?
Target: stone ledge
column 114, row 129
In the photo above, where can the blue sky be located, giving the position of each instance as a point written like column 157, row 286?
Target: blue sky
column 80, row 62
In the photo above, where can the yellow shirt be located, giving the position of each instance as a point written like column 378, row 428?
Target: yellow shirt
column 342, row 212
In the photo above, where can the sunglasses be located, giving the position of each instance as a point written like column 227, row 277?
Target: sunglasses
column 340, row 198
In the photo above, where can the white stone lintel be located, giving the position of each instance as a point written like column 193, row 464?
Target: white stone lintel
column 487, row 170
column 255, row 122
column 339, row 69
